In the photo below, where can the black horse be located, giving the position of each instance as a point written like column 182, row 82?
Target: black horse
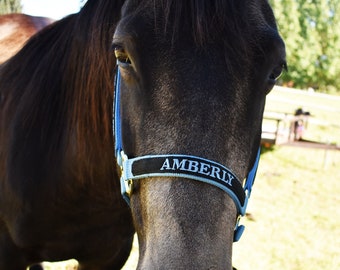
column 193, row 77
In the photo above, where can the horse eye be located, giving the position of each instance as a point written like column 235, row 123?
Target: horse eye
column 121, row 56
column 277, row 71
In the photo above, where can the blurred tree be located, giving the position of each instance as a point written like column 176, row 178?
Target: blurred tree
column 10, row 6
column 311, row 30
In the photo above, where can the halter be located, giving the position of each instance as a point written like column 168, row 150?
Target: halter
column 177, row 165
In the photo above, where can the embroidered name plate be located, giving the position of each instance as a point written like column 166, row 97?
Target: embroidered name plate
column 186, row 166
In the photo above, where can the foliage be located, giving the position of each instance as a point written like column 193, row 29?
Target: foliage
column 10, row 6
column 310, row 29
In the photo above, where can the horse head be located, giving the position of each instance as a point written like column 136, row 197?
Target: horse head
column 192, row 80
column 190, row 88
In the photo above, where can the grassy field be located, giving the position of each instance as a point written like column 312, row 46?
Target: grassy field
column 296, row 208
column 295, row 201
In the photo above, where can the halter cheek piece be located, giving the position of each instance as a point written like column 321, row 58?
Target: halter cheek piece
column 176, row 165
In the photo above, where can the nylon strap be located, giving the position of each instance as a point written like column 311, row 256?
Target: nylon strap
column 186, row 166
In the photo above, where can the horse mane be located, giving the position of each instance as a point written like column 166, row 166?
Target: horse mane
column 91, row 68
column 66, row 77
column 59, row 88
column 210, row 21
column 207, row 18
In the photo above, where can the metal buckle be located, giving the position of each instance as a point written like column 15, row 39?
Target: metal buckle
column 126, row 184
column 239, row 229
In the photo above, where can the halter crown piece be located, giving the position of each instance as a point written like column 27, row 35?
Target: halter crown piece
column 177, row 165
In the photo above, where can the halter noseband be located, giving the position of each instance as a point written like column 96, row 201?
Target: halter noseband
column 177, row 165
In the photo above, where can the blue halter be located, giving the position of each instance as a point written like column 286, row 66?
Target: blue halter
column 176, row 165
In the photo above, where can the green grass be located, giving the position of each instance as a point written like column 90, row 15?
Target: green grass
column 295, row 199
column 296, row 208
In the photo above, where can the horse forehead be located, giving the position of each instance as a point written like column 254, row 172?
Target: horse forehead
column 146, row 17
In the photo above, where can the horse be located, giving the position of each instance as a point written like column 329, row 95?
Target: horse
column 188, row 80
column 16, row 29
